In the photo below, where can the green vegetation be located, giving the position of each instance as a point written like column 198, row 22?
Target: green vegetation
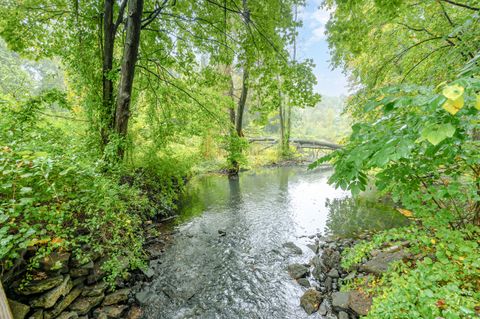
column 416, row 136
column 107, row 107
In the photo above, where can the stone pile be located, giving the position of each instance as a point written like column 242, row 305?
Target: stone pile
column 324, row 276
column 66, row 289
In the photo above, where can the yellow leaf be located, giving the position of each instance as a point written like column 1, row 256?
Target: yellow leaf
column 433, row 241
column 405, row 212
column 453, row 92
column 453, row 106
column 477, row 104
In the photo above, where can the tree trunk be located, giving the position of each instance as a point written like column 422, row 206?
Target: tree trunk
column 242, row 101
column 130, row 55
column 107, row 82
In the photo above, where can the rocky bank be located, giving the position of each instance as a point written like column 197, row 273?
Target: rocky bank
column 324, row 276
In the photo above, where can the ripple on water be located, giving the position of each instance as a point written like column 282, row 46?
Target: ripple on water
column 242, row 273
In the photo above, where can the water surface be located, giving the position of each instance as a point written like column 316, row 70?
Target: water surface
column 227, row 258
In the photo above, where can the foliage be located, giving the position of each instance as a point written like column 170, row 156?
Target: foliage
column 442, row 280
column 417, row 143
column 55, row 197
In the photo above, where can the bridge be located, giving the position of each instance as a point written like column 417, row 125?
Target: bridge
column 299, row 143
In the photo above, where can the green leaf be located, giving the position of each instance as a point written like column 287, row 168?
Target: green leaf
column 436, row 133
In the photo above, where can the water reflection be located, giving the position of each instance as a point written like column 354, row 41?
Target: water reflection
column 350, row 217
column 227, row 258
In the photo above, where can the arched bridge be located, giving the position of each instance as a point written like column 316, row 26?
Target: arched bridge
column 300, row 143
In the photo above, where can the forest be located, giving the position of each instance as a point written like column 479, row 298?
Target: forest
column 110, row 109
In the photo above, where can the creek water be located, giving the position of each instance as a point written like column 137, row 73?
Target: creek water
column 227, row 258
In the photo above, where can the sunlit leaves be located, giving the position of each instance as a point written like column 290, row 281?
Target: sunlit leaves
column 454, row 94
column 435, row 133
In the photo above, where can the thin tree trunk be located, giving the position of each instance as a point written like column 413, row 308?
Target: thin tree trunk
column 108, row 46
column 242, row 101
column 130, row 55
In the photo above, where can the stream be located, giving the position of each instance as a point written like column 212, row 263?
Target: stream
column 227, row 258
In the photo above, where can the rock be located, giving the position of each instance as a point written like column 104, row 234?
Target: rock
column 96, row 272
column 360, row 302
column 64, row 303
column 333, row 273
column 68, row 315
column 143, row 297
column 350, row 276
column 323, row 308
column 48, row 299
column 297, row 271
column 342, row 315
column 55, row 261
column 111, row 311
column 293, row 248
column 78, row 272
column 222, row 232
column 83, row 305
column 19, row 310
column 148, row 272
column 303, row 282
column 313, row 247
column 310, row 301
column 38, row 314
column 116, row 297
column 329, row 284
column 38, row 286
column 95, row 290
column 135, row 313
column 380, row 263
column 340, row 301
column 330, row 258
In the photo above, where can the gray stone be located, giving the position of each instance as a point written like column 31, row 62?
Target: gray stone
column 333, row 273
column 298, row 271
column 342, row 315
column 310, row 301
column 143, row 297
column 64, row 303
column 323, row 308
column 360, row 302
column 111, row 311
column 95, row 290
column 116, row 297
column 380, row 263
column 83, row 305
column 19, row 310
column 148, row 272
column 293, row 248
column 38, row 286
column 48, row 299
column 313, row 247
column 329, row 284
column 340, row 301
column 303, row 282
column 68, row 315
column 330, row 258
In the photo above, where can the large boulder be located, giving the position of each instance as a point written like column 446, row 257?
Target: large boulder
column 48, row 299
column 311, row 300
column 382, row 261
column 298, row 271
